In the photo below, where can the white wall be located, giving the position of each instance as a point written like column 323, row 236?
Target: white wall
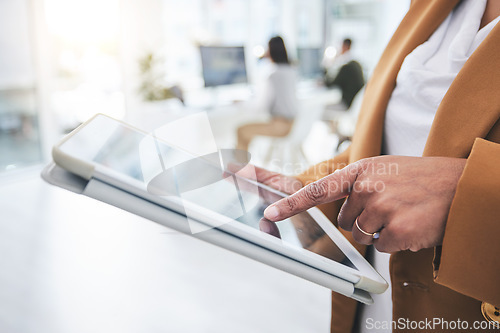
column 16, row 66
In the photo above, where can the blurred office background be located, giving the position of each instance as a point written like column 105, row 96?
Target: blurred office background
column 62, row 61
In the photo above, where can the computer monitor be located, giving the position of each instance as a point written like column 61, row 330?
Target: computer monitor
column 310, row 62
column 223, row 65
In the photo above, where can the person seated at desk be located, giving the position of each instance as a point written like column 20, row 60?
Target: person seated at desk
column 346, row 74
column 280, row 98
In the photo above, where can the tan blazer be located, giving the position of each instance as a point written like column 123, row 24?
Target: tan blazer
column 451, row 281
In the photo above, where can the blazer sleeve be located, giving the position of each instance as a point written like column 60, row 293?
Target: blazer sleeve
column 469, row 259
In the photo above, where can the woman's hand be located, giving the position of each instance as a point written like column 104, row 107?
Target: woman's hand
column 277, row 181
column 282, row 183
column 404, row 199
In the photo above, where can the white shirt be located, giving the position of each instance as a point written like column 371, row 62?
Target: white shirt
column 424, row 78
column 280, row 92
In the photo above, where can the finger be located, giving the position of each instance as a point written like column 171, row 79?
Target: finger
column 278, row 181
column 350, row 210
column 386, row 243
column 241, row 176
column 275, row 180
column 269, row 228
column 330, row 188
column 269, row 197
column 245, row 171
column 362, row 233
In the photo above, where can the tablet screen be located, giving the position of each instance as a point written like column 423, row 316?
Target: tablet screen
column 167, row 171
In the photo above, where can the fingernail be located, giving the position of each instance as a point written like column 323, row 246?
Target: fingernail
column 271, row 212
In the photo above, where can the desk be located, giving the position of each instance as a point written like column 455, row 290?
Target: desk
column 227, row 117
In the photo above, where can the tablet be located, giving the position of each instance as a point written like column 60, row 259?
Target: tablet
column 215, row 191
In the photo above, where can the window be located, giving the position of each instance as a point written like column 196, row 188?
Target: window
column 19, row 125
column 85, row 59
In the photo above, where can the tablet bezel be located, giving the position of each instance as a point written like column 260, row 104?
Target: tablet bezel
column 103, row 192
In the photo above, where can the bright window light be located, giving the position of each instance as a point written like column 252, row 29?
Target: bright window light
column 87, row 21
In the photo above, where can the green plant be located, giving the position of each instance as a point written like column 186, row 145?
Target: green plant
column 153, row 86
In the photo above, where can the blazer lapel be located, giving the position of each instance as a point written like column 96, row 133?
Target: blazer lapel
column 420, row 22
column 471, row 106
